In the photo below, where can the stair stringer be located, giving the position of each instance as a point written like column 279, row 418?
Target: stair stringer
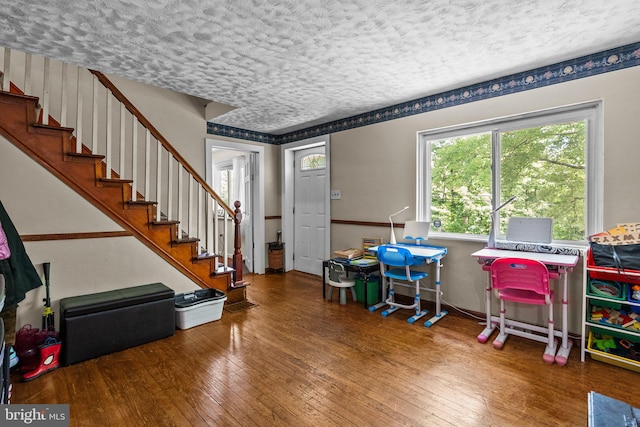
column 51, row 146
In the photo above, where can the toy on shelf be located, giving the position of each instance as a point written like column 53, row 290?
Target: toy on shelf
column 609, row 289
column 605, row 343
column 612, row 317
column 620, row 347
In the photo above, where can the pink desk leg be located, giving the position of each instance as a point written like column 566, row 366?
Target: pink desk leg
column 489, row 328
column 565, row 348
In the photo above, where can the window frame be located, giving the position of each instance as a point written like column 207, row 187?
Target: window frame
column 225, row 166
column 591, row 112
column 319, row 155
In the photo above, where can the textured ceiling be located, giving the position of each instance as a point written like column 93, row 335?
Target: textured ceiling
column 289, row 64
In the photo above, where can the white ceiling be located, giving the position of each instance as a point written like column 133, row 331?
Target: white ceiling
column 290, row 64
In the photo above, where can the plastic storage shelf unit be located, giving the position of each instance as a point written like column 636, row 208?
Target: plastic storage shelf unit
column 198, row 307
column 609, row 327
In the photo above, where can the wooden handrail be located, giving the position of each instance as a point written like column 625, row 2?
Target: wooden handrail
column 157, row 135
column 203, row 225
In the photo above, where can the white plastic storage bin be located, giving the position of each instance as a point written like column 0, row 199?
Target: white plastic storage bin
column 198, row 307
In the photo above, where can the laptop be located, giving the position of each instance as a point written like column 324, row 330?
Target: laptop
column 530, row 230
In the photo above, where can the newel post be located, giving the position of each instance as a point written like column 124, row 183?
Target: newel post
column 237, row 254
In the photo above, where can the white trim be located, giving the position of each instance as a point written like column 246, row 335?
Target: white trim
column 591, row 111
column 287, row 157
column 595, row 165
column 259, row 250
column 423, row 180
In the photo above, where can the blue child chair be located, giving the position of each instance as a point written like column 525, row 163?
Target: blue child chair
column 395, row 264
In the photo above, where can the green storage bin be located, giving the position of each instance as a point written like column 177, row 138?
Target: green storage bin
column 592, row 289
column 373, row 289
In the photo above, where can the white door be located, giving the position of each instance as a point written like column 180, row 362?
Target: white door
column 253, row 207
column 310, row 211
column 246, row 226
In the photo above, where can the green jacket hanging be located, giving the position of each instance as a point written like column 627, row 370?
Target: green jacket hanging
column 19, row 273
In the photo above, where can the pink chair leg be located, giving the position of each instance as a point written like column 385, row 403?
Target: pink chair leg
column 502, row 336
column 552, row 344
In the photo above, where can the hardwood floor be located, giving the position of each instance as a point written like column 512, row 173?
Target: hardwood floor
column 295, row 359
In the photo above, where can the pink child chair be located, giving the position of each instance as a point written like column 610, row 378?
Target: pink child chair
column 524, row 281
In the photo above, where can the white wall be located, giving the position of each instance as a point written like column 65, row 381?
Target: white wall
column 375, row 169
column 180, row 119
column 373, row 166
column 39, row 203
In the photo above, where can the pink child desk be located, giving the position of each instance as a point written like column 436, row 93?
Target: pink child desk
column 555, row 262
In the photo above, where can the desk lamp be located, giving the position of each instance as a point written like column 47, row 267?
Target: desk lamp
column 392, row 240
column 491, row 243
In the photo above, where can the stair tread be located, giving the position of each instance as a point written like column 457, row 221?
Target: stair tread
column 223, row 270
column 86, row 171
column 41, row 125
column 165, row 222
column 187, row 240
column 21, row 95
column 240, row 285
column 85, row 155
column 141, row 203
column 116, row 180
column 207, row 256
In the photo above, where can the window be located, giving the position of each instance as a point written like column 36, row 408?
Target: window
column 313, row 162
column 228, row 181
column 224, row 181
column 550, row 161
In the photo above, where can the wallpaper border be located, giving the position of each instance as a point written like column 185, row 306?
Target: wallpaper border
column 585, row 66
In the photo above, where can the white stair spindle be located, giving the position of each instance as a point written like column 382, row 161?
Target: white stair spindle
column 79, row 113
column 121, row 168
column 7, row 70
column 147, row 165
column 180, row 197
column 216, row 227
column 63, row 96
column 94, row 128
column 45, row 96
column 134, row 159
column 27, row 74
column 199, row 212
column 190, row 209
column 159, row 182
column 170, row 189
column 226, row 237
column 109, row 135
column 210, row 218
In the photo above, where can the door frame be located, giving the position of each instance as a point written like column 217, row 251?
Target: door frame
column 288, row 178
column 259, row 251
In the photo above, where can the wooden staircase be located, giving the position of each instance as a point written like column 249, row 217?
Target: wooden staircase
column 55, row 148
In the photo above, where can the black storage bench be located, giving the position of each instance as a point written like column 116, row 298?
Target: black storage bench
column 97, row 324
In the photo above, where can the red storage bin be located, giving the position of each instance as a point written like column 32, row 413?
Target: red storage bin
column 608, row 273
